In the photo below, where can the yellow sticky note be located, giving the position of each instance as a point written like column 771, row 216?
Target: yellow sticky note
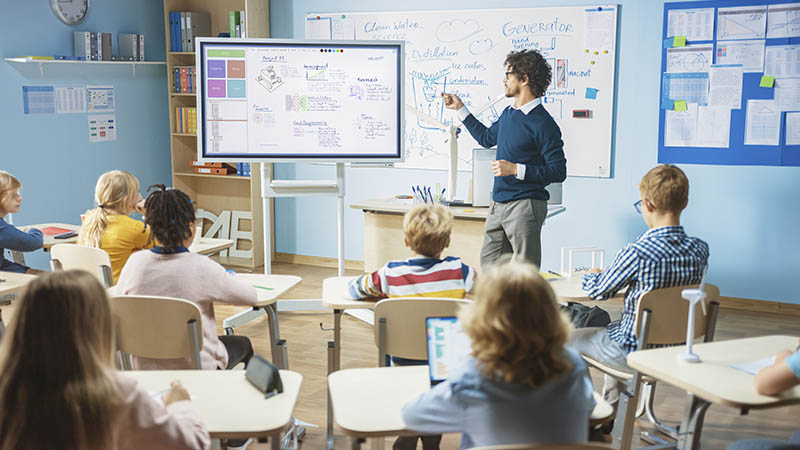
column 680, row 105
column 767, row 81
column 679, row 41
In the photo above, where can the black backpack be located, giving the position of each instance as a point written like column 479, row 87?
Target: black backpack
column 583, row 316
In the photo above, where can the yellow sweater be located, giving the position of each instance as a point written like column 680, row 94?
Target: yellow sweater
column 122, row 238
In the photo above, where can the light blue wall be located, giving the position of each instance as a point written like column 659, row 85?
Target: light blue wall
column 51, row 154
column 750, row 216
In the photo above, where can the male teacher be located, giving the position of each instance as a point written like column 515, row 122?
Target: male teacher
column 530, row 155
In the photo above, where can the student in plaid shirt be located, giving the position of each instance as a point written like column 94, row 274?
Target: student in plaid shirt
column 664, row 256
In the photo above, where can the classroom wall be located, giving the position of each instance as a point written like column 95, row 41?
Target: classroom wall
column 51, row 154
column 748, row 215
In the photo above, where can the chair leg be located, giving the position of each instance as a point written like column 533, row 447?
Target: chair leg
column 622, row 435
column 651, row 414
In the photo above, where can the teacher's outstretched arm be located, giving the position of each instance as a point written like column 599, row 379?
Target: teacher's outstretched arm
column 486, row 137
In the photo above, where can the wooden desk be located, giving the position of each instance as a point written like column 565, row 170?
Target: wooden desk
column 713, row 380
column 270, row 288
column 11, row 285
column 47, row 240
column 369, row 402
column 230, row 406
column 210, row 246
column 383, row 231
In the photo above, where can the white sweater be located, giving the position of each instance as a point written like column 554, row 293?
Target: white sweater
column 192, row 277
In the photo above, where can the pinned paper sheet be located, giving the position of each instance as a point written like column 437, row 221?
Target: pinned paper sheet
column 762, row 123
column 680, row 105
column 591, row 93
column 695, row 24
column 767, row 81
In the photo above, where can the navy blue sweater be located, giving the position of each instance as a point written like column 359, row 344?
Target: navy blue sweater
column 533, row 139
column 13, row 238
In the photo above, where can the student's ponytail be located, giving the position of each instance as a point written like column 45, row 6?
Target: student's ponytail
column 94, row 224
column 115, row 193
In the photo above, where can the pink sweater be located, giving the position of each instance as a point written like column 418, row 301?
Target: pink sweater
column 192, row 277
column 144, row 423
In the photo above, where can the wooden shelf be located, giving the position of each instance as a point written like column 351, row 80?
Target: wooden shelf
column 183, row 94
column 185, row 134
column 42, row 62
column 205, row 175
column 180, row 53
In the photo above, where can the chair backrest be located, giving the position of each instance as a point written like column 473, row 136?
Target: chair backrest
column 671, row 312
column 579, row 446
column 73, row 256
column 158, row 327
column 401, row 321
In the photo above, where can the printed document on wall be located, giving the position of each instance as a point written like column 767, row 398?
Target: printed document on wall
column 742, row 22
column 750, row 54
column 600, row 26
column 793, row 128
column 783, row 20
column 70, row 99
column 763, row 123
column 38, row 99
column 787, row 94
column 681, row 127
column 692, row 87
column 695, row 24
column 100, row 98
column 318, row 28
column 102, row 128
column 343, row 28
column 691, row 58
column 725, row 86
column 782, row 61
column 713, row 127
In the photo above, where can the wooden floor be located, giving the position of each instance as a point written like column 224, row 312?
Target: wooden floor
column 307, row 355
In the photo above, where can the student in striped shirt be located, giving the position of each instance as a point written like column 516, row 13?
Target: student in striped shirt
column 427, row 233
column 662, row 257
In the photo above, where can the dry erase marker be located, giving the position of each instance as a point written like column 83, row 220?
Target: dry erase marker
column 403, row 197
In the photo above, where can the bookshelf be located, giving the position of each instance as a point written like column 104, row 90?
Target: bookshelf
column 215, row 193
column 41, row 63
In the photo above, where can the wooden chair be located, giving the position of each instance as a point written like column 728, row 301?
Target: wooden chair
column 581, row 446
column 661, row 318
column 400, row 324
column 158, row 328
column 93, row 260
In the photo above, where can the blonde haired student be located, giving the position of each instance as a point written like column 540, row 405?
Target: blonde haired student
column 11, row 237
column 521, row 384
column 109, row 226
column 58, row 385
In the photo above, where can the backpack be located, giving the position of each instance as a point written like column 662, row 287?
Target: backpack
column 583, row 316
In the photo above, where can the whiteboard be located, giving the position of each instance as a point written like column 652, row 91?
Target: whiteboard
column 270, row 100
column 462, row 52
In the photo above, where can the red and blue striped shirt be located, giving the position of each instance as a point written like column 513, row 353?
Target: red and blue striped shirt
column 416, row 277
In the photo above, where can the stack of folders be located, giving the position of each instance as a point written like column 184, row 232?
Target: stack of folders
column 236, row 24
column 186, row 120
column 243, row 169
column 184, row 26
column 92, row 46
column 184, row 79
column 212, row 168
column 131, row 47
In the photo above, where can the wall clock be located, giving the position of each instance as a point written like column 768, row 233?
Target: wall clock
column 71, row 12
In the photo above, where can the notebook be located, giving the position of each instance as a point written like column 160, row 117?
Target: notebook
column 448, row 347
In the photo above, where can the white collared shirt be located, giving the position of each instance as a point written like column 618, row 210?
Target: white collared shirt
column 463, row 113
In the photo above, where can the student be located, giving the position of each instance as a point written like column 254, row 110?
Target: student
column 662, row 257
column 170, row 270
column 58, row 385
column 427, row 234
column 109, row 226
column 521, row 385
column 783, row 374
column 11, row 237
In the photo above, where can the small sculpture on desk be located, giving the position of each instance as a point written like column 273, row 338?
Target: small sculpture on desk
column 693, row 296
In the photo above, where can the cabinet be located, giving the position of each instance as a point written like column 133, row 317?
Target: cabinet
column 215, row 193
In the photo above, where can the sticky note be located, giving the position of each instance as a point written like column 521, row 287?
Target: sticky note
column 767, row 81
column 591, row 93
column 667, row 104
column 679, row 41
column 668, row 42
column 680, row 105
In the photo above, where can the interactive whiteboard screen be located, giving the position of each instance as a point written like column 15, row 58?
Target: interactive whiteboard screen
column 265, row 100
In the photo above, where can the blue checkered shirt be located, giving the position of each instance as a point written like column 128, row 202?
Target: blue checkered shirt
column 660, row 258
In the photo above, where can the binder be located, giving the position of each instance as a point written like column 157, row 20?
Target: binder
column 107, row 50
column 172, row 31
column 82, row 47
column 233, row 20
column 188, row 37
column 196, row 163
column 242, row 27
column 212, row 170
column 126, row 43
column 93, row 45
column 176, row 79
column 199, row 25
column 140, row 51
column 183, row 31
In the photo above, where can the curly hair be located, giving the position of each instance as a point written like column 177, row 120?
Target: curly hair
column 169, row 213
column 516, row 329
column 530, row 65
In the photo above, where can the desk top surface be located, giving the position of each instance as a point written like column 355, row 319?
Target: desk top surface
column 713, row 379
column 402, row 206
column 49, row 240
column 229, row 405
column 209, row 246
column 13, row 283
column 334, row 295
column 270, row 287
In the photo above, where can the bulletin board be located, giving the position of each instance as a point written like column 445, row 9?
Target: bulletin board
column 730, row 30
column 462, row 52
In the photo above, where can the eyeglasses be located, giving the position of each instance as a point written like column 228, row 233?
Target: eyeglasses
column 638, row 206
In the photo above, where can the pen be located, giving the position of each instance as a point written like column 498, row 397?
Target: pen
column 430, row 197
column 403, row 197
column 263, row 287
column 441, row 196
column 553, row 273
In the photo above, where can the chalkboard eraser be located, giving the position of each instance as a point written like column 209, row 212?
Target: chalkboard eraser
column 582, row 113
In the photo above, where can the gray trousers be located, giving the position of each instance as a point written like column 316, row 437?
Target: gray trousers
column 598, row 345
column 514, row 226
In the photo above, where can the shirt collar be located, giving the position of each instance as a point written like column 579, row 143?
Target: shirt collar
column 664, row 231
column 169, row 251
column 528, row 107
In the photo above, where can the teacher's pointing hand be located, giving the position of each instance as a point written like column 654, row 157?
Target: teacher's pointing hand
column 451, row 101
